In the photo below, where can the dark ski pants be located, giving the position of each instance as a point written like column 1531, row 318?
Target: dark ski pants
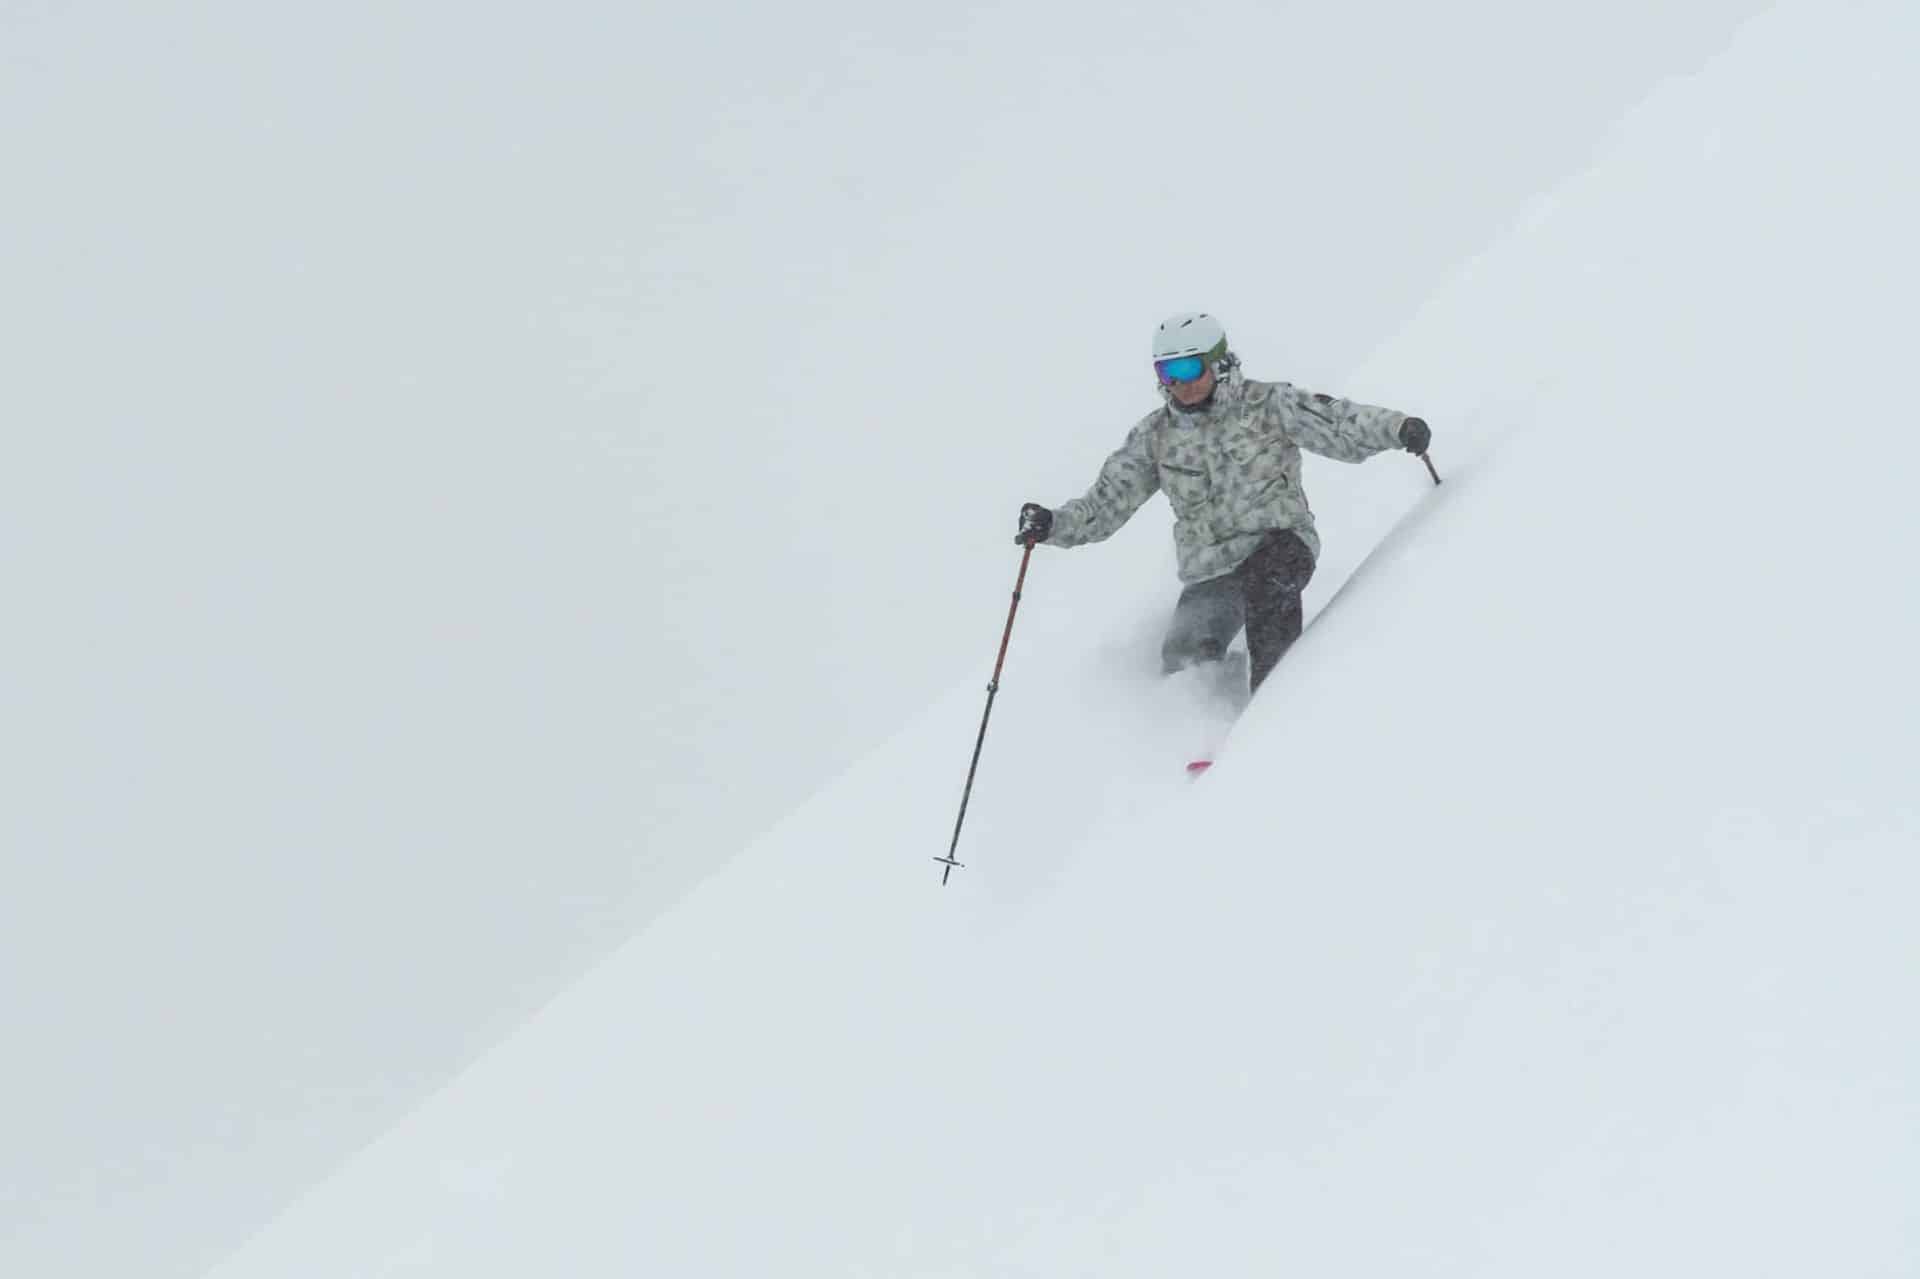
column 1263, row 595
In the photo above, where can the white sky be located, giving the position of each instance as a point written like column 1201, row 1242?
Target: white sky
column 469, row 472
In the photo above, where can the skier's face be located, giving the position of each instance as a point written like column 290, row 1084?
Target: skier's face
column 1194, row 392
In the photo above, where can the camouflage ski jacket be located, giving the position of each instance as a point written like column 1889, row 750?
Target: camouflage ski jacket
column 1231, row 471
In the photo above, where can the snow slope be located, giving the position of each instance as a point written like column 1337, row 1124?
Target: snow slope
column 1548, row 912
column 444, row 448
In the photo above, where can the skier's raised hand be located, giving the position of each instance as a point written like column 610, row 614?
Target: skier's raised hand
column 1415, row 435
column 1036, row 522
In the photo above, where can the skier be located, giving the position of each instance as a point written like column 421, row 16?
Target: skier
column 1226, row 450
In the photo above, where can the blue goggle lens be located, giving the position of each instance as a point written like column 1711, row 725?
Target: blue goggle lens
column 1186, row 368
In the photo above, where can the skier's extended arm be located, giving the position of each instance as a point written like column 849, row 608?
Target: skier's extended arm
column 1343, row 430
column 1127, row 480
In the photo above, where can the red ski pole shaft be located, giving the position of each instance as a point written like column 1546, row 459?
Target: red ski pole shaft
column 993, row 688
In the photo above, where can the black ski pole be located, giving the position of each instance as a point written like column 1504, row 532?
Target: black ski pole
column 1430, row 471
column 993, row 687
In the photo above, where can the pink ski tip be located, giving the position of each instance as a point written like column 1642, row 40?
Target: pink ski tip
column 1198, row 767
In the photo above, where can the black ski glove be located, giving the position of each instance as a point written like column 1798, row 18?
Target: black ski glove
column 1036, row 522
column 1415, row 435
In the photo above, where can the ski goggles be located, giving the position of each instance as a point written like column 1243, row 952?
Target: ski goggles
column 1183, row 368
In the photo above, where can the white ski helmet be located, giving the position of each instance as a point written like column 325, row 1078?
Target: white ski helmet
column 1192, row 333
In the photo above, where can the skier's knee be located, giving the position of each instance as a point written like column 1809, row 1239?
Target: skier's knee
column 1283, row 563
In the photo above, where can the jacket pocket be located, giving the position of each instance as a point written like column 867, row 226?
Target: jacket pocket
column 1187, row 488
column 1256, row 453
